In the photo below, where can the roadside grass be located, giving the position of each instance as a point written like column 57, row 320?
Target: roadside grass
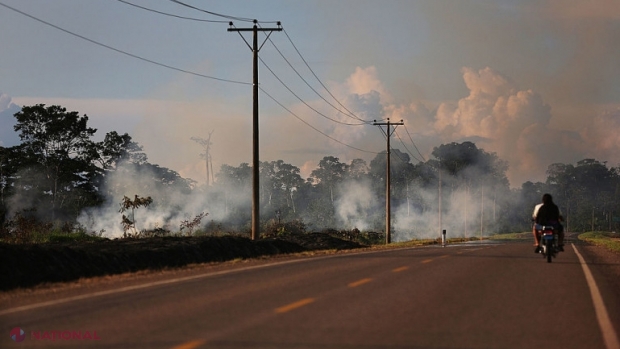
column 608, row 240
column 423, row 242
column 512, row 236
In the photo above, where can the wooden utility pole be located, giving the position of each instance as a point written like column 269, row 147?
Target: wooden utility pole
column 388, row 176
column 255, row 144
column 440, row 200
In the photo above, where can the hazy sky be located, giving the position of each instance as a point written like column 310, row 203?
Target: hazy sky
column 536, row 82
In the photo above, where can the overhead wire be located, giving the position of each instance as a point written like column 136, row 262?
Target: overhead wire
column 172, row 15
column 301, row 100
column 412, row 142
column 241, row 19
column 208, row 76
column 406, row 148
column 317, row 78
column 348, row 114
column 309, row 125
column 385, row 136
column 123, row 52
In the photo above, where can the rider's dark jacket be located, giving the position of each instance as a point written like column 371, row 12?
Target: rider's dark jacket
column 548, row 214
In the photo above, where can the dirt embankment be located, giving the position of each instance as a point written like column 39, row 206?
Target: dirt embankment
column 32, row 264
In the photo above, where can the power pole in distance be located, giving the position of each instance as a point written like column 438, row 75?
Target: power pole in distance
column 255, row 162
column 388, row 177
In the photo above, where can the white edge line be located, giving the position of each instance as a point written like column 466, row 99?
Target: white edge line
column 609, row 334
column 181, row 279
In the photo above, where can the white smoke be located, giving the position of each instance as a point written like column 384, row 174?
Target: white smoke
column 465, row 213
column 170, row 206
column 356, row 199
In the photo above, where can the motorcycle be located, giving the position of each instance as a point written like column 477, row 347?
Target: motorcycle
column 548, row 242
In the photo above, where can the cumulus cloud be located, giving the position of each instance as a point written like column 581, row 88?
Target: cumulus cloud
column 499, row 116
column 366, row 80
column 8, row 137
column 512, row 122
column 602, row 136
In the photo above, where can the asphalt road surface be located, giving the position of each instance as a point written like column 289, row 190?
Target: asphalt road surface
column 487, row 295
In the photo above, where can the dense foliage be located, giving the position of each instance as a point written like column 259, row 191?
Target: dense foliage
column 58, row 172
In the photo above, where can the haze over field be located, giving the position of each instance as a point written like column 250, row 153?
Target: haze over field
column 537, row 82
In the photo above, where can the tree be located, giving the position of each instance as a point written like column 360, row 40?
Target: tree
column 128, row 204
column 285, row 181
column 357, row 169
column 116, row 149
column 330, row 172
column 477, row 173
column 57, row 157
column 586, row 193
column 9, row 158
column 236, row 186
column 401, row 170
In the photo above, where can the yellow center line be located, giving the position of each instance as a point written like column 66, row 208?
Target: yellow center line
column 359, row 282
column 399, row 269
column 427, row 261
column 294, row 305
column 190, row 345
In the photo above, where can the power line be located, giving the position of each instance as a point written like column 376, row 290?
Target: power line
column 304, row 102
column 312, row 127
column 317, row 78
column 407, row 149
column 121, row 51
column 353, row 116
column 241, row 19
column 412, row 142
column 173, row 15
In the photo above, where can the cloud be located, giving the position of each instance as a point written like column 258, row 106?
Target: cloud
column 593, row 9
column 495, row 113
column 8, row 136
column 366, row 80
column 499, row 117
column 603, row 136
column 512, row 122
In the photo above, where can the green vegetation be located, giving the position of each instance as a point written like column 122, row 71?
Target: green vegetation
column 608, row 240
column 59, row 177
column 512, row 236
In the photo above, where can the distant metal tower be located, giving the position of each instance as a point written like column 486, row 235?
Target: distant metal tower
column 255, row 162
column 206, row 143
column 388, row 177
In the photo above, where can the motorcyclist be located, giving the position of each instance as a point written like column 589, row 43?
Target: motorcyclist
column 548, row 213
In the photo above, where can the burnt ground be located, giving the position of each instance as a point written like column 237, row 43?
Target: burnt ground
column 28, row 265
column 24, row 266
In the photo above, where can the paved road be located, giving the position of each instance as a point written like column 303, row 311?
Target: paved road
column 498, row 295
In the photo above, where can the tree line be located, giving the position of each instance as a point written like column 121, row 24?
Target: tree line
column 58, row 171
